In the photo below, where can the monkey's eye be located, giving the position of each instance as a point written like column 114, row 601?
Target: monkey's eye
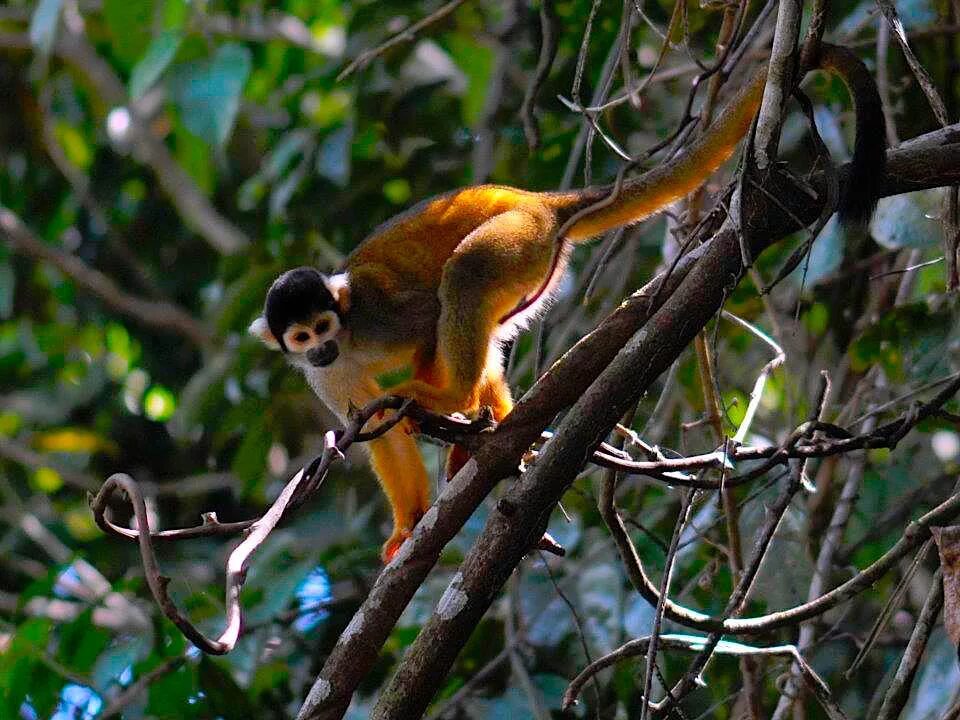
column 322, row 327
column 302, row 336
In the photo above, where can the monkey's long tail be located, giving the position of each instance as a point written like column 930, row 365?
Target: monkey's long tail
column 642, row 196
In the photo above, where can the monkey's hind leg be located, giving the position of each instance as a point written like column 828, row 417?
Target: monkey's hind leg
column 490, row 271
column 495, row 394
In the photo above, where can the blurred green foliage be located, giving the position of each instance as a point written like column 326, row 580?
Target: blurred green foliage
column 248, row 104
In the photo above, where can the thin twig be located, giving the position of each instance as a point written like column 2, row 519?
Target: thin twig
column 899, row 691
column 404, row 36
column 297, row 490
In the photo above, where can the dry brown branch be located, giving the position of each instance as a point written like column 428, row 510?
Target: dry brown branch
column 294, row 494
column 549, row 34
column 683, row 517
column 640, row 646
column 131, row 693
column 153, row 313
column 899, row 691
column 889, row 11
column 404, row 36
column 780, row 79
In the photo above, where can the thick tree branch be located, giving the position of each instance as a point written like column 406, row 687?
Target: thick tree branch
column 702, row 278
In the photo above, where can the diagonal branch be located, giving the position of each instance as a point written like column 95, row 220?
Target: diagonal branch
column 196, row 211
column 690, row 296
column 154, row 313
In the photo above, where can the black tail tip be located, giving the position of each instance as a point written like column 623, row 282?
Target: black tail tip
column 864, row 185
column 868, row 170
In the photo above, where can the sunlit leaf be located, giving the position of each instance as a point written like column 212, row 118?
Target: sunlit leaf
column 72, row 440
column 155, row 61
column 46, row 480
column 80, row 523
column 397, row 191
column 910, row 220
column 159, row 403
column 74, row 144
column 175, row 14
column 43, row 25
column 207, row 93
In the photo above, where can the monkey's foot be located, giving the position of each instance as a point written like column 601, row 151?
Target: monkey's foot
column 392, row 546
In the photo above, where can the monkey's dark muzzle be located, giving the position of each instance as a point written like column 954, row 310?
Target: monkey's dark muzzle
column 323, row 355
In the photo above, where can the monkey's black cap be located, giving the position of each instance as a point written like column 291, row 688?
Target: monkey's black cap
column 294, row 297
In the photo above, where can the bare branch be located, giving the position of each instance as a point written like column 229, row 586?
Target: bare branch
column 404, row 36
column 899, row 691
column 153, row 313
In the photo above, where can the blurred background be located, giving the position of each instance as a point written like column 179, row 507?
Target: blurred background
column 161, row 162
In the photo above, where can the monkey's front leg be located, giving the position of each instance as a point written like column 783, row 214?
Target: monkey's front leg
column 396, row 461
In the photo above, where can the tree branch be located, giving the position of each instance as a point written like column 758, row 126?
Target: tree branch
column 692, row 294
column 153, row 313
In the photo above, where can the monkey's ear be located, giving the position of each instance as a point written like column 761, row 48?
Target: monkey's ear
column 259, row 328
column 339, row 287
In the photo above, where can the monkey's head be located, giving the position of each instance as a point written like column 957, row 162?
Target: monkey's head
column 302, row 315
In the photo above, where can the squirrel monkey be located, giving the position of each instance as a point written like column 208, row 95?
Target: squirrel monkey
column 434, row 289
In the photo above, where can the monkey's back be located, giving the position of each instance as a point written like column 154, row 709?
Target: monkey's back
column 417, row 243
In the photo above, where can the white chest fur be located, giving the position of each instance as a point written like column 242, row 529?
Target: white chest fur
column 349, row 380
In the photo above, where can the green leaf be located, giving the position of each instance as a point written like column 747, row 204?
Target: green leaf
column 129, row 22
column 174, row 694
column 250, row 462
column 333, row 159
column 19, row 667
column 122, row 654
column 194, row 155
column 80, row 643
column 397, row 191
column 74, row 144
column 224, row 696
column 910, row 337
column 154, row 62
column 207, row 93
column 175, row 14
column 43, row 25
column 476, row 61
column 909, row 220
column 8, row 282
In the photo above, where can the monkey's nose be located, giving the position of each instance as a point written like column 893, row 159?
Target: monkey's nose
column 323, row 355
